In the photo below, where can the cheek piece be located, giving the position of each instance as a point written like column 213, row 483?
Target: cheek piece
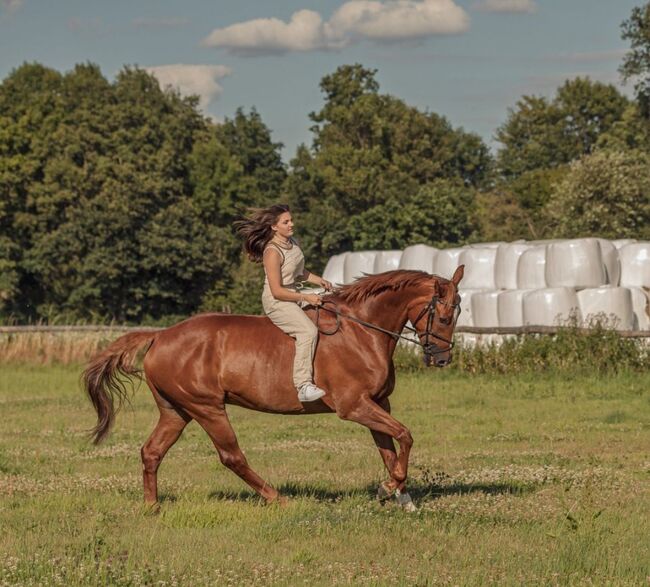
column 431, row 348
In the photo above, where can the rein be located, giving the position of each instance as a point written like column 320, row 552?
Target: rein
column 426, row 345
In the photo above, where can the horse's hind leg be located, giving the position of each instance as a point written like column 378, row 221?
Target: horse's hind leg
column 170, row 425
column 218, row 427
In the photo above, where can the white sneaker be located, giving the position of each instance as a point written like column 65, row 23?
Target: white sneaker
column 308, row 392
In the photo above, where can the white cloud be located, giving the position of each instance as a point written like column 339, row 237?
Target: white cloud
column 392, row 20
column 506, row 5
column 11, row 5
column 192, row 79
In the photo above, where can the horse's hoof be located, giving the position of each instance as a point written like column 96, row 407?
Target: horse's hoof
column 279, row 501
column 152, row 509
column 384, row 491
column 405, row 502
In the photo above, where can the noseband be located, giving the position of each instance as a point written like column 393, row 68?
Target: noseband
column 430, row 348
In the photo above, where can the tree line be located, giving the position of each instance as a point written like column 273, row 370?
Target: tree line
column 117, row 197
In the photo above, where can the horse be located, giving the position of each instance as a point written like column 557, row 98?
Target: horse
column 197, row 367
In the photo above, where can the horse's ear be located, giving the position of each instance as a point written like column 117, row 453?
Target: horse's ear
column 458, row 274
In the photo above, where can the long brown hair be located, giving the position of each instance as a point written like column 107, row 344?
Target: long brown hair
column 256, row 230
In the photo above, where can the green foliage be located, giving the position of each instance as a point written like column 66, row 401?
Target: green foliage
column 542, row 134
column 117, row 198
column 240, row 293
column 636, row 63
column 377, row 170
column 438, row 213
column 605, row 194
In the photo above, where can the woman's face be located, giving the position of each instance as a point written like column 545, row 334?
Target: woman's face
column 284, row 226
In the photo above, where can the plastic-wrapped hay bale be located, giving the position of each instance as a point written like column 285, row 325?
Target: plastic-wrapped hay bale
column 614, row 302
column 447, row 261
column 466, row 316
column 621, row 242
column 609, row 254
column 358, row 263
column 479, row 267
column 550, row 306
column 531, row 269
column 490, row 245
column 420, row 257
column 484, row 309
column 510, row 307
column 635, row 264
column 386, row 261
column 640, row 307
column 575, row 263
column 335, row 269
column 505, row 264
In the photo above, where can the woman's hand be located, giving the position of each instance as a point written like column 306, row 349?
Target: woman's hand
column 313, row 299
column 326, row 284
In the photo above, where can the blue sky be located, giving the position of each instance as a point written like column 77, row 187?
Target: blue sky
column 469, row 60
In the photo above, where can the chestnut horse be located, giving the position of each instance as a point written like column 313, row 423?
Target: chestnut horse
column 197, row 367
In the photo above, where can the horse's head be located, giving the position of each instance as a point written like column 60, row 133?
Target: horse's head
column 434, row 316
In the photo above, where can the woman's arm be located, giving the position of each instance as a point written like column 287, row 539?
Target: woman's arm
column 310, row 277
column 272, row 266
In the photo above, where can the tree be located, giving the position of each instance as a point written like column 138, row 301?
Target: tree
column 371, row 155
column 543, row 134
column 636, row 63
column 606, row 193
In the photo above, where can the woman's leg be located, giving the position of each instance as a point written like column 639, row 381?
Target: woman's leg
column 290, row 318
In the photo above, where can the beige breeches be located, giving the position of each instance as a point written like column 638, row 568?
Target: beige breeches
column 290, row 318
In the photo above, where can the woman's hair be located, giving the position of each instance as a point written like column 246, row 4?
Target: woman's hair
column 256, row 230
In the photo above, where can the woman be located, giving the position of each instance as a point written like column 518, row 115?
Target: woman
column 267, row 235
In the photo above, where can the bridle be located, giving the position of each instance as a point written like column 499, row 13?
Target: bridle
column 430, row 348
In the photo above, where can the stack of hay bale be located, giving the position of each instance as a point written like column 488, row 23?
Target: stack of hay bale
column 541, row 283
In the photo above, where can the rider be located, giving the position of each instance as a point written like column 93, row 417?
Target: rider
column 268, row 237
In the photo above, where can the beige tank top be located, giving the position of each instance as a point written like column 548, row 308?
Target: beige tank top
column 292, row 267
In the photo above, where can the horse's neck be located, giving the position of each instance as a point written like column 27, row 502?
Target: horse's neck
column 387, row 310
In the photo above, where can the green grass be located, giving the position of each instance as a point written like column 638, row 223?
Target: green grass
column 529, row 479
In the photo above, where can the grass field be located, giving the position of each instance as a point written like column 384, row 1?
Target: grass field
column 519, row 480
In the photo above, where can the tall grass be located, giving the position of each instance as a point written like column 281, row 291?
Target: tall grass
column 572, row 350
column 600, row 350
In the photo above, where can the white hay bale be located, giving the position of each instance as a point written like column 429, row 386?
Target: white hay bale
column 575, row 263
column 550, row 306
column 510, row 307
column 447, row 261
column 505, row 264
column 621, row 242
column 614, row 302
column 490, row 245
column 419, row 257
column 531, row 269
column 609, row 254
column 635, row 264
column 479, row 267
column 335, row 269
column 484, row 309
column 466, row 316
column 358, row 263
column 386, row 261
column 640, row 307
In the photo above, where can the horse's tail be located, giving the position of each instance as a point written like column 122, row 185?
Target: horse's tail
column 101, row 378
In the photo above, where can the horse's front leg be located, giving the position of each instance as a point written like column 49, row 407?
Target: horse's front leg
column 384, row 429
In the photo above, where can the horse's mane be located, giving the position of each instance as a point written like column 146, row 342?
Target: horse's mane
column 371, row 285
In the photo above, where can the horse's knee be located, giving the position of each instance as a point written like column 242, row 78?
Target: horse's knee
column 150, row 459
column 405, row 437
column 234, row 461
